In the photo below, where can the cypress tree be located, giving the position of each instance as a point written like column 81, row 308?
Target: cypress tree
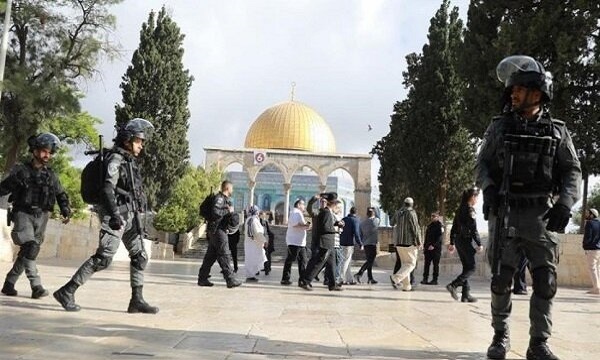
column 427, row 154
column 156, row 87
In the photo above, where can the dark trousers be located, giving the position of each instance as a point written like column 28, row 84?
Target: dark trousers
column 233, row 241
column 370, row 253
column 323, row 256
column 398, row 265
column 267, row 264
column 466, row 253
column 432, row 256
column 295, row 253
column 519, row 280
column 218, row 250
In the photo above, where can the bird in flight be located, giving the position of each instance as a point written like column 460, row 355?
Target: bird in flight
column 370, row 127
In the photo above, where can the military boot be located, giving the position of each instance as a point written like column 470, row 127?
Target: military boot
column 233, row 282
column 538, row 350
column 137, row 304
column 9, row 289
column 38, row 291
column 500, row 346
column 433, row 281
column 452, row 289
column 66, row 296
column 424, row 281
column 466, row 295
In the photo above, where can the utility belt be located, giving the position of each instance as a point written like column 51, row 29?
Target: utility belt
column 31, row 210
column 526, row 202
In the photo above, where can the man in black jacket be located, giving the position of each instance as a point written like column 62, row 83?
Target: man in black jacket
column 218, row 243
column 432, row 249
column 326, row 228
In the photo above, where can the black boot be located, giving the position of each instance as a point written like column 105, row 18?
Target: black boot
column 66, row 296
column 452, row 290
column 500, row 346
column 137, row 304
column 466, row 295
column 9, row 289
column 38, row 291
column 538, row 350
column 424, row 281
column 433, row 281
column 233, row 282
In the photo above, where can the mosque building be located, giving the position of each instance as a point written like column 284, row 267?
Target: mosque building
column 290, row 154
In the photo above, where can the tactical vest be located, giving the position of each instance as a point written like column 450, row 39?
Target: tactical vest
column 530, row 154
column 38, row 190
column 125, row 183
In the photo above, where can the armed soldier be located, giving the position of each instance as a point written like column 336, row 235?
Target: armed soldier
column 34, row 189
column 530, row 176
column 119, row 211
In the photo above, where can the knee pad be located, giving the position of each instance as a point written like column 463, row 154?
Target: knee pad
column 30, row 250
column 100, row 262
column 139, row 260
column 502, row 282
column 544, row 282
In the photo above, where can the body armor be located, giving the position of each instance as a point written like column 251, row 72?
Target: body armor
column 530, row 150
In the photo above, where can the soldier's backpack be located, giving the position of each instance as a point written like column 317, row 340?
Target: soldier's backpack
column 92, row 177
column 206, row 207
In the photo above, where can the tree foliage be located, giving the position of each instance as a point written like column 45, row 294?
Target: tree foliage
column 427, row 154
column 180, row 213
column 156, row 87
column 52, row 46
column 563, row 36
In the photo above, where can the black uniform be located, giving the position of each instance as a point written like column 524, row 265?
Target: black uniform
column 465, row 237
column 326, row 228
column 433, row 238
column 34, row 191
column 218, row 243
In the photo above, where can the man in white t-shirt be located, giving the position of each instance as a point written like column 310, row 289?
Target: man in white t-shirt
column 296, row 242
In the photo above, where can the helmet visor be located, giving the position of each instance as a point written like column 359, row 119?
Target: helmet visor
column 47, row 141
column 140, row 128
column 516, row 63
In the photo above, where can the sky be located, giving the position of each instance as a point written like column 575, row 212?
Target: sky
column 346, row 58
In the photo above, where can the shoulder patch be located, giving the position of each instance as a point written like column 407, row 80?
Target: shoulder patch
column 113, row 168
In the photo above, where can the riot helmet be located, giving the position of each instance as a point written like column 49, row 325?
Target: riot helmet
column 44, row 141
column 527, row 72
column 137, row 127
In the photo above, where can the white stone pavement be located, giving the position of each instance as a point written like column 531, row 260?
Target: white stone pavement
column 269, row 321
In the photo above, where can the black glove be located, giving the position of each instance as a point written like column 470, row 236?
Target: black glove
column 115, row 223
column 65, row 212
column 558, row 218
column 490, row 201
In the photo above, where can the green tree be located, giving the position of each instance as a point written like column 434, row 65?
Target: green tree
column 427, row 154
column 156, row 87
column 180, row 213
column 563, row 36
column 593, row 203
column 52, row 46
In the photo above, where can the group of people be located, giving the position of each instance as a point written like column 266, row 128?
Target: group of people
column 527, row 170
column 333, row 240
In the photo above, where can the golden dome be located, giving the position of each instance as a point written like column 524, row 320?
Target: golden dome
column 291, row 125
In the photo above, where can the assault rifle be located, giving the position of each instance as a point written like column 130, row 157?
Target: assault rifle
column 136, row 203
column 503, row 232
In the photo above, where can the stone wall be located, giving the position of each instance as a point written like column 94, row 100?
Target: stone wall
column 77, row 240
column 572, row 267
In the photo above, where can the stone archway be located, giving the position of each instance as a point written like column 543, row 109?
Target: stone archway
column 289, row 162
